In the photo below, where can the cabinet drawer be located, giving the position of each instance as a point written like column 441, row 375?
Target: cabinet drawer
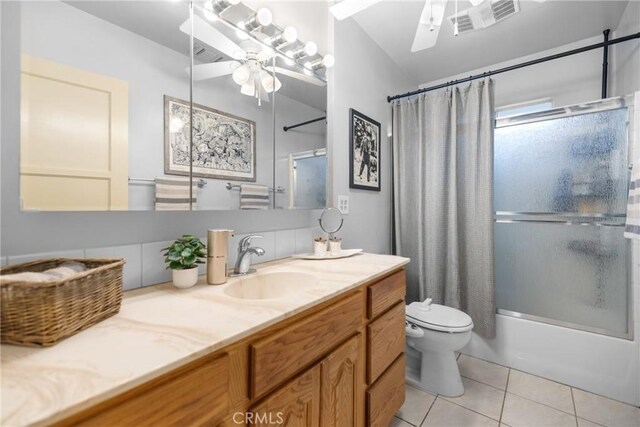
column 385, row 341
column 386, row 396
column 385, row 293
column 196, row 394
column 279, row 356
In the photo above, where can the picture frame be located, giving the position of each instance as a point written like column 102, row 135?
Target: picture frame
column 364, row 152
column 224, row 145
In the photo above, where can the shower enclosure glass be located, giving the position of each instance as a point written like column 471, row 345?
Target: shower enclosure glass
column 560, row 194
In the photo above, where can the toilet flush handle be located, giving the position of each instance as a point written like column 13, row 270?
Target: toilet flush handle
column 426, row 305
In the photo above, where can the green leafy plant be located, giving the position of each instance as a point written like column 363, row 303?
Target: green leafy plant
column 185, row 253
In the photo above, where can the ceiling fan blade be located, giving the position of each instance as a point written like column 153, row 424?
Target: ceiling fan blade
column 206, row 33
column 346, row 8
column 214, row 69
column 296, row 75
column 429, row 25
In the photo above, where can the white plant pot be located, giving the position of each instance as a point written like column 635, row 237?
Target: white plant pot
column 185, row 278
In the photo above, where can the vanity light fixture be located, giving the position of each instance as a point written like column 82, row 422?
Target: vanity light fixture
column 213, row 8
column 327, row 62
column 287, row 36
column 262, row 18
column 309, row 49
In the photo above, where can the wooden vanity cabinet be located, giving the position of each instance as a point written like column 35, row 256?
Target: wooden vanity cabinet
column 337, row 364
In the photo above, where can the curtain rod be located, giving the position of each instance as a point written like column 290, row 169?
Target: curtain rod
column 308, row 122
column 606, row 43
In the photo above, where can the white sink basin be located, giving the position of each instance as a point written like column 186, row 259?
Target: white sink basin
column 270, row 285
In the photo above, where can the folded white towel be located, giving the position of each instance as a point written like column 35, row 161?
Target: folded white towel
column 63, row 271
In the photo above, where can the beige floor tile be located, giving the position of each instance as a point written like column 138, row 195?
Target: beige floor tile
column 416, row 404
column 605, row 411
column 485, row 372
column 541, row 390
column 481, row 398
column 446, row 414
column 397, row 422
column 521, row 412
column 586, row 423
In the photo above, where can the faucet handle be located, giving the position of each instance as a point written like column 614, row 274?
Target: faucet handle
column 245, row 242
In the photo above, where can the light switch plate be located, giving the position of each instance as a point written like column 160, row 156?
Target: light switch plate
column 343, row 204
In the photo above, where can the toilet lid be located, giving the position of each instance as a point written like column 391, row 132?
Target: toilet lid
column 439, row 317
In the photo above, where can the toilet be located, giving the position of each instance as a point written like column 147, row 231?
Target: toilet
column 434, row 333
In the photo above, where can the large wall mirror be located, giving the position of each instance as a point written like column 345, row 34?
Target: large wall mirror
column 110, row 90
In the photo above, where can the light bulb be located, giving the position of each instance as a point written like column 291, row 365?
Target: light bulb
column 241, row 75
column 239, row 31
column 264, row 17
column 268, row 82
column 248, row 89
column 289, row 62
column 307, row 65
column 310, row 48
column 307, row 72
column 290, row 34
column 208, row 11
column 176, row 125
column 328, row 61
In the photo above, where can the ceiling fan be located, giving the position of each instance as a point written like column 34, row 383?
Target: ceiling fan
column 481, row 14
column 250, row 64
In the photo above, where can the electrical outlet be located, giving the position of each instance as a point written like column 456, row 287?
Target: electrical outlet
column 343, row 204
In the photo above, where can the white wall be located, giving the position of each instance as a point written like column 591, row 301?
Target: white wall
column 625, row 57
column 64, row 34
column 362, row 78
column 567, row 81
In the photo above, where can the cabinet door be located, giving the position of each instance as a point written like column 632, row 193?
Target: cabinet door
column 296, row 404
column 342, row 385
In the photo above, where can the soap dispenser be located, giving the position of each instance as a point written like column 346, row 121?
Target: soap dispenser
column 217, row 249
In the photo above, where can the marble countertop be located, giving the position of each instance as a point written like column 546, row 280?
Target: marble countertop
column 158, row 329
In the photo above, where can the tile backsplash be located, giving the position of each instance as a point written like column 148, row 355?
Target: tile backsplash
column 145, row 263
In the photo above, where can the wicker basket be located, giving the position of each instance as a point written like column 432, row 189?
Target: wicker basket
column 41, row 314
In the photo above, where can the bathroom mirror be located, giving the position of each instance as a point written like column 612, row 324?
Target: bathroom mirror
column 331, row 221
column 107, row 100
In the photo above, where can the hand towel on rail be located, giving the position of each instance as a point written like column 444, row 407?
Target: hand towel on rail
column 254, row 196
column 172, row 194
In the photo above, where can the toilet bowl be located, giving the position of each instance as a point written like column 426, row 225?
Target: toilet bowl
column 434, row 333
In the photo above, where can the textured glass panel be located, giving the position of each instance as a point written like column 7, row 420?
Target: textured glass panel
column 572, row 164
column 571, row 273
column 311, row 173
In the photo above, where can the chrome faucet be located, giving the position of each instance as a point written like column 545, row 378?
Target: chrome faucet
column 243, row 264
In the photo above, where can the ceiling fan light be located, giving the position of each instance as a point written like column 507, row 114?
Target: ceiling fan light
column 269, row 83
column 241, row 75
column 248, row 89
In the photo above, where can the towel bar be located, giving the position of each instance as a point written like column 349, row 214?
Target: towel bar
column 231, row 186
column 201, row 182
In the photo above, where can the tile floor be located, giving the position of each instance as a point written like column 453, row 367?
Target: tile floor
column 498, row 396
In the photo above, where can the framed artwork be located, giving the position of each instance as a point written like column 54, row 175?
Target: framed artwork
column 364, row 146
column 224, row 145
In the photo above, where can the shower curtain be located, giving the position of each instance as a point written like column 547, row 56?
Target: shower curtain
column 443, row 198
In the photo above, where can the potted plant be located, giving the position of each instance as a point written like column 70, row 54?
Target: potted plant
column 183, row 257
